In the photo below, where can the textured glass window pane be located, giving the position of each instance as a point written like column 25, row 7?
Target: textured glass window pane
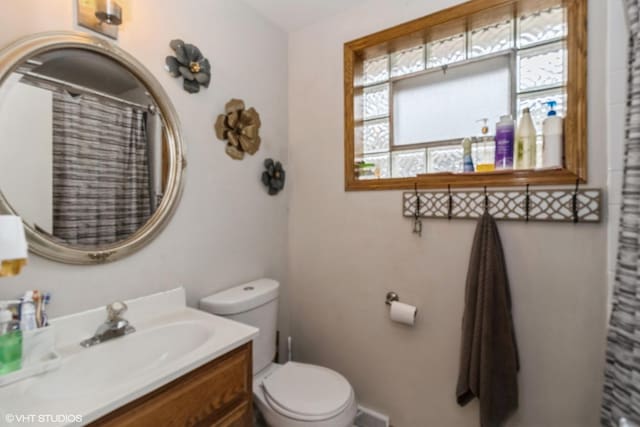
column 494, row 38
column 407, row 61
column 408, row 163
column 536, row 102
column 376, row 136
column 376, row 70
column 542, row 67
column 444, row 159
column 376, row 101
column 446, row 51
column 542, row 26
column 381, row 168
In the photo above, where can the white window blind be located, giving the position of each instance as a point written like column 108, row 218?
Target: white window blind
column 441, row 106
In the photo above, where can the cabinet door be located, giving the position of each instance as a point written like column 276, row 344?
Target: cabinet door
column 217, row 394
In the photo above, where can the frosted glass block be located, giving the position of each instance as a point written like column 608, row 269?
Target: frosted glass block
column 491, row 39
column 542, row 67
column 446, row 51
column 444, row 159
column 376, row 101
column 376, row 70
column 542, row 26
column 382, row 166
column 536, row 102
column 407, row 61
column 376, row 136
column 406, row 164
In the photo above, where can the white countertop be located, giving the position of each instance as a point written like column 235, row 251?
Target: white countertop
column 170, row 340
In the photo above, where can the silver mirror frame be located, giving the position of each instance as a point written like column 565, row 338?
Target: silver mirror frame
column 12, row 56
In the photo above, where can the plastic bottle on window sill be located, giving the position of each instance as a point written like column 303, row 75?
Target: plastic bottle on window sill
column 505, row 130
column 525, row 142
column 486, row 150
column 467, row 160
column 552, row 138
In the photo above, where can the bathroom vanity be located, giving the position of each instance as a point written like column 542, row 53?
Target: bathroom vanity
column 217, row 394
column 181, row 366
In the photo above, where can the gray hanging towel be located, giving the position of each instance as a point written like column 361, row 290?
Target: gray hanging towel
column 489, row 355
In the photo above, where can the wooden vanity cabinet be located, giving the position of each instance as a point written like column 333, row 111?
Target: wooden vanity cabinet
column 217, row 394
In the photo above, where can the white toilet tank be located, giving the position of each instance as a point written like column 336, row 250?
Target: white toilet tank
column 256, row 304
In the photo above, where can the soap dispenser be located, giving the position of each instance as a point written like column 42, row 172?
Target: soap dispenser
column 486, row 149
column 552, row 138
column 10, row 340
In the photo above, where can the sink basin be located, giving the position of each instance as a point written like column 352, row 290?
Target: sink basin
column 171, row 340
column 117, row 362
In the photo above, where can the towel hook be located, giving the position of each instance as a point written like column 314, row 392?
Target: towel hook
column 574, row 202
column 526, row 204
column 450, row 206
column 417, row 223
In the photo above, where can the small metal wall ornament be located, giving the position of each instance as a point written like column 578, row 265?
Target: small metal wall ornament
column 240, row 128
column 190, row 64
column 273, row 177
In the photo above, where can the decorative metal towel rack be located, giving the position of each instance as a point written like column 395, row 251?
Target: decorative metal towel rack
column 562, row 205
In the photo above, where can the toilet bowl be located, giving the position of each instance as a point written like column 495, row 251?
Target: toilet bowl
column 302, row 395
column 289, row 395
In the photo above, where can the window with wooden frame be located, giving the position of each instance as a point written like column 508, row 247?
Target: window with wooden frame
column 414, row 91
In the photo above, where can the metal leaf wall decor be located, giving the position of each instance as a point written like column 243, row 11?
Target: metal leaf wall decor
column 190, row 64
column 239, row 128
column 273, row 177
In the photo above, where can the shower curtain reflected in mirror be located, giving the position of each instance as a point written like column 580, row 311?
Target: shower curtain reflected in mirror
column 101, row 176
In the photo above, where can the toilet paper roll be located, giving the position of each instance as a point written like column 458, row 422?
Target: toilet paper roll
column 403, row 313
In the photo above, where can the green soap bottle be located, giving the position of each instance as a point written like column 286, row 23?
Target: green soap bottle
column 10, row 343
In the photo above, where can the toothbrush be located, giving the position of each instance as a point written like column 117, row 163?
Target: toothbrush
column 37, row 300
column 45, row 302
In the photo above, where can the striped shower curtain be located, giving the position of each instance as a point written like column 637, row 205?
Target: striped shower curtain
column 101, row 186
column 621, row 397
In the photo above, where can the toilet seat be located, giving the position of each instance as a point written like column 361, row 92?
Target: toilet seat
column 307, row 392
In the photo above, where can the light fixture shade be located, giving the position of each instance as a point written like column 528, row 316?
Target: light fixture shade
column 13, row 245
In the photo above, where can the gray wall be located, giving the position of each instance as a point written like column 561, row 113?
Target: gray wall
column 348, row 249
column 227, row 230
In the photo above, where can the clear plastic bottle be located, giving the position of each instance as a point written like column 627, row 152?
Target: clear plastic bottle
column 525, row 146
column 486, row 149
column 10, row 342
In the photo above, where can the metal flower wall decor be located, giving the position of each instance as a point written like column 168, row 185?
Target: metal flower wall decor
column 190, row 64
column 240, row 128
column 273, row 177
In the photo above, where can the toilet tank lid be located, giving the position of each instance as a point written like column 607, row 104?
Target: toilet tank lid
column 241, row 298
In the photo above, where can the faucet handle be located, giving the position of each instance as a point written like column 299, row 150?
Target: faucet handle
column 115, row 309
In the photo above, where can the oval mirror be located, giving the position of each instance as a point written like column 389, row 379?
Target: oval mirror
column 92, row 155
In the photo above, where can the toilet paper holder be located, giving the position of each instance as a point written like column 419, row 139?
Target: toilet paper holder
column 391, row 297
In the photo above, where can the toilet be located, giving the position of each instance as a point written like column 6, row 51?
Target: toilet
column 289, row 395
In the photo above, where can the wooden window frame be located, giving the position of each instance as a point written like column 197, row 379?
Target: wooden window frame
column 575, row 123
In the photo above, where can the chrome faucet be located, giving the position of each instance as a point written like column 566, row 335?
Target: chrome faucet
column 114, row 327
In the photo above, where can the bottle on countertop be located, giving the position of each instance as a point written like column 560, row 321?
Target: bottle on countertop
column 28, row 313
column 10, row 340
column 525, row 146
column 552, row 138
column 505, row 130
column 486, row 150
